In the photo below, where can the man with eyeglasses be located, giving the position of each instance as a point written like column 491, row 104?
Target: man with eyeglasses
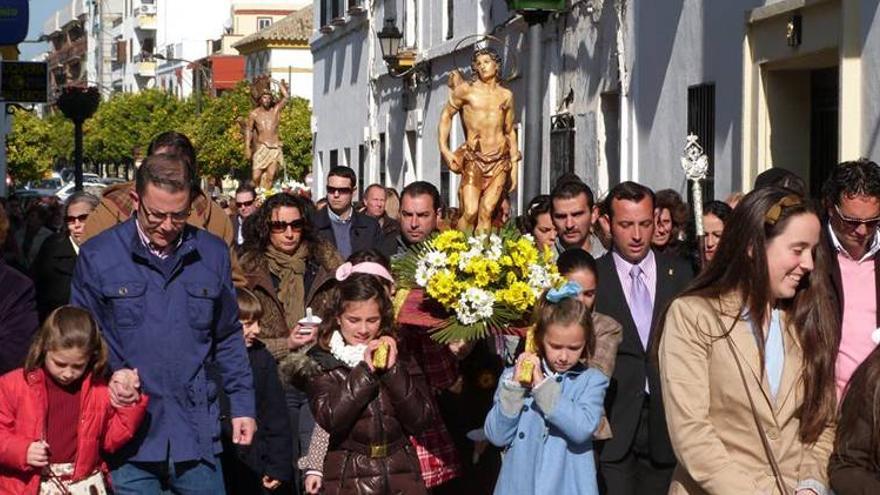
column 348, row 230
column 851, row 197
column 116, row 201
column 245, row 206
column 161, row 291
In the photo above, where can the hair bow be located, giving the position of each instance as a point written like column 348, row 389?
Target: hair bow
column 346, row 269
column 773, row 214
column 570, row 289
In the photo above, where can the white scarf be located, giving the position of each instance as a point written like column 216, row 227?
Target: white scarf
column 351, row 355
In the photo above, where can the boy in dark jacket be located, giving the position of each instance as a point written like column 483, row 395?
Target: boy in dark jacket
column 267, row 465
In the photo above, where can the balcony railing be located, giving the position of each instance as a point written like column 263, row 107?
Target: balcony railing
column 68, row 51
column 144, row 20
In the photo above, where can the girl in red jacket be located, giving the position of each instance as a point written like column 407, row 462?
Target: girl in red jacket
column 55, row 413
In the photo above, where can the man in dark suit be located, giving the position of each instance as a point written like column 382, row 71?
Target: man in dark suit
column 245, row 206
column 374, row 201
column 635, row 285
column 348, row 230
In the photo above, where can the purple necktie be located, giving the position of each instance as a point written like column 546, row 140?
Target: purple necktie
column 640, row 304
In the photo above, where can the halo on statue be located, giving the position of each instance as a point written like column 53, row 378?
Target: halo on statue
column 485, row 41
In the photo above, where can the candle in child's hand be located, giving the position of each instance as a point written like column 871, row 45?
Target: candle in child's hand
column 380, row 356
column 308, row 324
column 527, row 368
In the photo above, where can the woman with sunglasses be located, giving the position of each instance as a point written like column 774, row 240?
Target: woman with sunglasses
column 52, row 269
column 284, row 262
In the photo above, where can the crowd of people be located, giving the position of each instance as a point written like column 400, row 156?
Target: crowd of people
column 154, row 343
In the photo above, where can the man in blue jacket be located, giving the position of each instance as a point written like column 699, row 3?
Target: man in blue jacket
column 162, row 293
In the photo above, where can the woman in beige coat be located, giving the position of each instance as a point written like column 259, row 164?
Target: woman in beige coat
column 741, row 397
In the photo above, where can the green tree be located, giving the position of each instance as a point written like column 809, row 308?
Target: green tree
column 218, row 135
column 217, row 132
column 127, row 122
column 35, row 145
column 296, row 132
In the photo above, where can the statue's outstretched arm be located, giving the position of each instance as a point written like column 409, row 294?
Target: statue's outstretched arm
column 285, row 95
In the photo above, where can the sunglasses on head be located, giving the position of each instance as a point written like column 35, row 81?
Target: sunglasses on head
column 81, row 218
column 341, row 190
column 854, row 223
column 240, row 204
column 279, row 226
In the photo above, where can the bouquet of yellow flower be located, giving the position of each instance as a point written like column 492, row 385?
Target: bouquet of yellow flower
column 484, row 282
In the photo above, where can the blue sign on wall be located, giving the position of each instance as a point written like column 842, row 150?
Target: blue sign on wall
column 13, row 21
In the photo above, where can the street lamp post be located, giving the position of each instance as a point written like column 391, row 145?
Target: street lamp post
column 78, row 104
column 401, row 66
column 535, row 13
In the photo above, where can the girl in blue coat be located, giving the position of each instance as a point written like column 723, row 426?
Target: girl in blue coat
column 546, row 424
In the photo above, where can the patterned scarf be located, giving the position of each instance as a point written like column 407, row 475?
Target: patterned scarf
column 290, row 268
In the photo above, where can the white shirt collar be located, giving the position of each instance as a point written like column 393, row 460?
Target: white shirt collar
column 875, row 246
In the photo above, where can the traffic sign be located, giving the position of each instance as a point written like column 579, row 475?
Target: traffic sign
column 13, row 21
column 23, row 82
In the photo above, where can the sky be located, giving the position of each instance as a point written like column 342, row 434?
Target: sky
column 40, row 10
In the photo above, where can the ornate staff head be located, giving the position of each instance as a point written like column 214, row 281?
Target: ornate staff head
column 695, row 164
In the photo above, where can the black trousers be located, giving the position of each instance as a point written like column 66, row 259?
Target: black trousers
column 636, row 473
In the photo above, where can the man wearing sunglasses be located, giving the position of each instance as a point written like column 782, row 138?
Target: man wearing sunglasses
column 245, row 206
column 349, row 231
column 161, row 291
column 851, row 197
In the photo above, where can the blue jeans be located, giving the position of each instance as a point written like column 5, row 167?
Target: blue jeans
column 178, row 478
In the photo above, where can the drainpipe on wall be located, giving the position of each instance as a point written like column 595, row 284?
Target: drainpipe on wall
column 627, row 119
column 372, row 98
column 534, row 127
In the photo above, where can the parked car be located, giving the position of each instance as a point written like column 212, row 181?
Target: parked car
column 45, row 187
column 91, row 178
column 95, row 188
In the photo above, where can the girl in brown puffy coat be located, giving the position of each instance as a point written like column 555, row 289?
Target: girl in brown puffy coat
column 368, row 407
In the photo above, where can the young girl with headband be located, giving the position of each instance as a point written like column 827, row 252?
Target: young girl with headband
column 368, row 404
column 546, row 423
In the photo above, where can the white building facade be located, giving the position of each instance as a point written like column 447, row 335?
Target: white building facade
column 624, row 83
column 281, row 50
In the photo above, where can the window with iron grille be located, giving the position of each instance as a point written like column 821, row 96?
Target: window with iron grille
column 383, row 156
column 450, row 19
column 701, row 122
column 362, row 163
column 444, row 183
column 561, row 145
